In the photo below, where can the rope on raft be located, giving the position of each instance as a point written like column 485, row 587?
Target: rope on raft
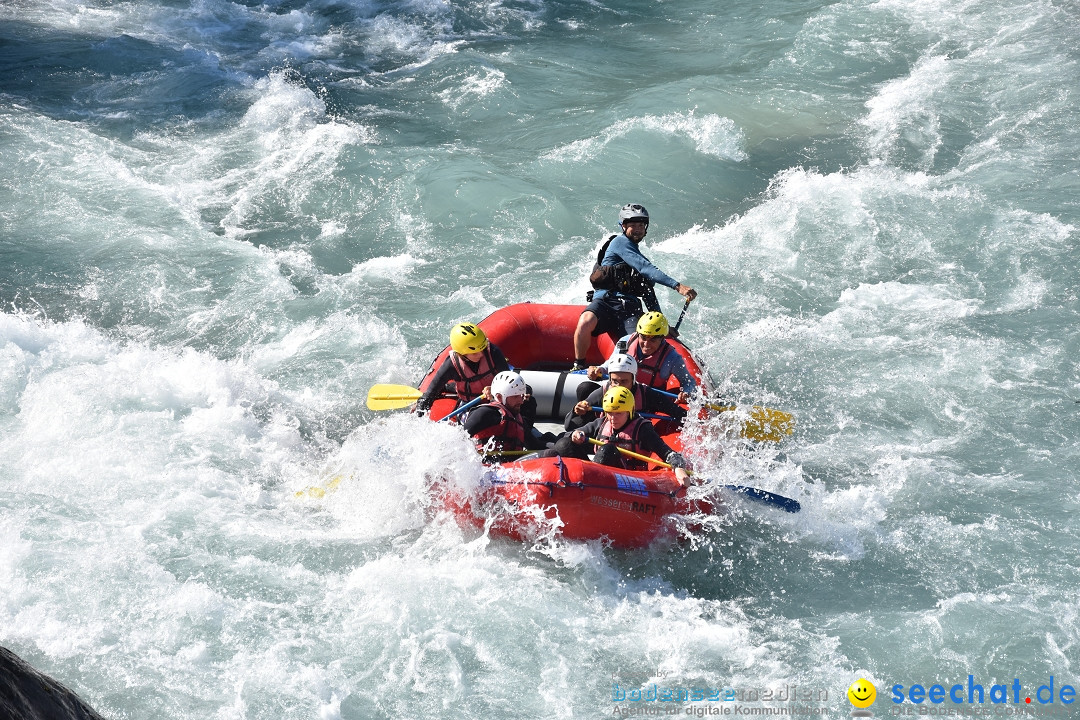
column 550, row 485
column 581, row 485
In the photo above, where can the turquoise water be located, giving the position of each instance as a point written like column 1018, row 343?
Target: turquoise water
column 222, row 222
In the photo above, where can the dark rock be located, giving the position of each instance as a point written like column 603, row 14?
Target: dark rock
column 26, row 694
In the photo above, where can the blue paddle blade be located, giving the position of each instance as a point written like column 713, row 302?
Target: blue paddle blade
column 764, row 496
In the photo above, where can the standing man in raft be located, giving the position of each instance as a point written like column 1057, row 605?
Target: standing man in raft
column 623, row 277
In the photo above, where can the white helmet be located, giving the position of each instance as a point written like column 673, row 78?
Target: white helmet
column 621, row 362
column 633, row 211
column 508, row 384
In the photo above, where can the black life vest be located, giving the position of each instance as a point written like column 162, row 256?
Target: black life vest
column 619, row 277
column 471, row 383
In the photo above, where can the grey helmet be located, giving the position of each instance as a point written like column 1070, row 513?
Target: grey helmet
column 633, row 211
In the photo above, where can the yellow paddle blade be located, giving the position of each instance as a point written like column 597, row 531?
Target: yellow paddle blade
column 768, row 425
column 318, row 492
column 764, row 424
column 391, row 397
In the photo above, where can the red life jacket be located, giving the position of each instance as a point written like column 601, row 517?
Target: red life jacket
column 471, row 383
column 648, row 369
column 628, row 438
column 509, row 434
column 639, row 394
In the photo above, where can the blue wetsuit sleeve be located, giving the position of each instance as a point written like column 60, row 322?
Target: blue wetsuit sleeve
column 622, row 249
column 675, row 365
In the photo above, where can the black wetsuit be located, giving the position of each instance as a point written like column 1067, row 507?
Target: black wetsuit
column 447, row 373
column 488, row 416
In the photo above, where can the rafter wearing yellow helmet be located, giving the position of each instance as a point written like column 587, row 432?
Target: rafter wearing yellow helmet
column 468, row 369
column 657, row 359
column 618, row 427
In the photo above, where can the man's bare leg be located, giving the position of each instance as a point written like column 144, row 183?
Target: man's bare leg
column 583, row 335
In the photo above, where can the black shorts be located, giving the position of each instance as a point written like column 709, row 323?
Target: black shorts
column 615, row 314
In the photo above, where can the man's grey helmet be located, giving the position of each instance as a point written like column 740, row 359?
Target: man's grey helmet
column 633, row 211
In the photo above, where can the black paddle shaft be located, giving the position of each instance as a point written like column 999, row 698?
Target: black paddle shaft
column 682, row 314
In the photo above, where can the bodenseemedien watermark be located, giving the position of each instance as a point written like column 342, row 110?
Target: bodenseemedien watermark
column 734, row 711
column 654, row 699
column 665, row 693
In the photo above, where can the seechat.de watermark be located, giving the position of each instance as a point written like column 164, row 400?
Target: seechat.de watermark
column 968, row 699
column 972, row 693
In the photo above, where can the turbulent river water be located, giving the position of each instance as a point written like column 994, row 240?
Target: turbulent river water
column 221, row 222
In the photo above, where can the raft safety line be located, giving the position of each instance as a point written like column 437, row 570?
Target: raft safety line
column 581, row 486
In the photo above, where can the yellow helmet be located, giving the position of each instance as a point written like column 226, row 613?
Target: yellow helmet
column 619, row 399
column 653, row 323
column 466, row 338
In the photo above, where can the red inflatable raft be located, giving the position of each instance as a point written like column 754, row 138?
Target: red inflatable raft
column 586, row 501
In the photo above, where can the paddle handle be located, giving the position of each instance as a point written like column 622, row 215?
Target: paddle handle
column 717, row 408
column 505, row 453
column 630, row 453
column 682, row 314
column 472, row 403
